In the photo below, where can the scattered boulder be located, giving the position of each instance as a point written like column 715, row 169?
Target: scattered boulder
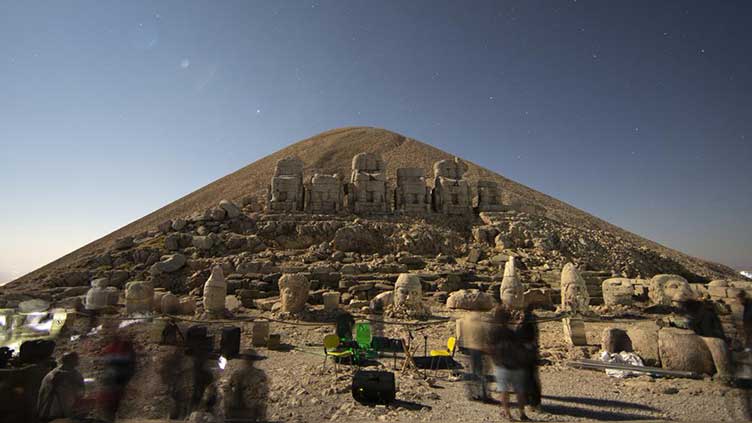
column 644, row 338
column 203, row 242
column 168, row 264
column 232, row 303
column 682, row 349
column 230, row 208
column 470, row 299
column 179, row 224
column 123, row 243
column 356, row 238
column 170, row 303
column 139, row 297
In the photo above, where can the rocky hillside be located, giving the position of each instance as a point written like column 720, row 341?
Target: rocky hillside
column 548, row 231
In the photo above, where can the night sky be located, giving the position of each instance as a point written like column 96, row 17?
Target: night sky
column 638, row 112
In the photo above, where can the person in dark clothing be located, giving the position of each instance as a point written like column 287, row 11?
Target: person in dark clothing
column 746, row 320
column 119, row 359
column 528, row 335
column 510, row 358
column 62, row 391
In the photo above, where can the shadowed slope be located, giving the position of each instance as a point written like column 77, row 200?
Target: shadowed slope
column 332, row 152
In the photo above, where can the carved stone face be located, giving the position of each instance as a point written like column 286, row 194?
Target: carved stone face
column 293, row 292
column 407, row 291
column 512, row 292
column 617, row 291
column 678, row 291
column 574, row 294
column 669, row 289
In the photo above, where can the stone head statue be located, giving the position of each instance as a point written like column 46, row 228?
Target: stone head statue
column 669, row 289
column 512, row 292
column 617, row 291
column 367, row 162
column 452, row 169
column 293, row 292
column 574, row 294
column 289, row 166
column 408, row 292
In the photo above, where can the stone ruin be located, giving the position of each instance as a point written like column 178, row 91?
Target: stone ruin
column 489, row 197
column 215, row 291
column 451, row 192
column 512, row 292
column 407, row 300
column 574, row 294
column 669, row 290
column 367, row 190
column 293, row 292
column 412, row 195
column 324, row 194
column 618, row 291
column 286, row 191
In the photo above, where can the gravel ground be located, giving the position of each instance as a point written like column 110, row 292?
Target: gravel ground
column 300, row 392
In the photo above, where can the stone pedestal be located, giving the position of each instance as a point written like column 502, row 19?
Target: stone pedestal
column 260, row 333
column 574, row 331
column 331, row 300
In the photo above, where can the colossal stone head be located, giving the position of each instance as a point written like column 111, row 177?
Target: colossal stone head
column 669, row 289
column 289, row 166
column 293, row 292
column 367, row 162
column 617, row 291
column 408, row 292
column 452, row 169
column 574, row 294
column 512, row 292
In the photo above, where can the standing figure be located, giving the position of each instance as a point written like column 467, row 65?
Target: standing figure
column 120, row 365
column 509, row 357
column 61, row 391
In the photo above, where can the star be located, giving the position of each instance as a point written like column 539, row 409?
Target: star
column 258, row 111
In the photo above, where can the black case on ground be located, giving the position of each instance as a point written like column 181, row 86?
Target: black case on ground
column 197, row 341
column 373, row 387
column 36, row 351
column 229, row 344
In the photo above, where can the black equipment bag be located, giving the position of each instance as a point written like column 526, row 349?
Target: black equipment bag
column 36, row 351
column 384, row 344
column 197, row 341
column 373, row 387
column 229, row 344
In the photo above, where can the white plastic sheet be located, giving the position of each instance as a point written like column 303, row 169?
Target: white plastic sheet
column 622, row 358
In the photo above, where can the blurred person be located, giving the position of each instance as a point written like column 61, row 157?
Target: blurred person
column 244, row 390
column 474, row 340
column 119, row 367
column 528, row 334
column 746, row 304
column 62, row 391
column 508, row 353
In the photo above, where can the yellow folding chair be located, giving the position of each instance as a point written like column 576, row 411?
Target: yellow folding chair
column 446, row 355
column 331, row 342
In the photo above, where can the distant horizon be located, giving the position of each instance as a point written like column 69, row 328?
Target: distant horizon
column 635, row 112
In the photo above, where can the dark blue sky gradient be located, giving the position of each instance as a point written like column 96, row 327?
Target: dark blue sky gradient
column 638, row 112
